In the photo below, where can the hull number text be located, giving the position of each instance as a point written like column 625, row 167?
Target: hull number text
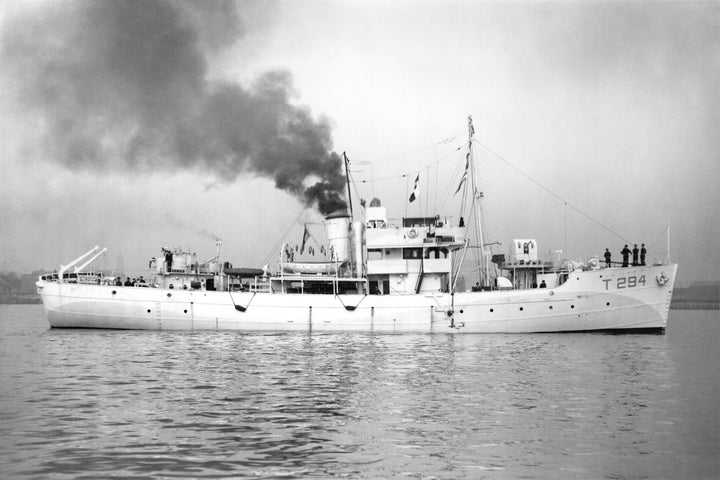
column 625, row 282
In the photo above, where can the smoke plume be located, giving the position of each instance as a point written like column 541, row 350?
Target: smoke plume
column 123, row 85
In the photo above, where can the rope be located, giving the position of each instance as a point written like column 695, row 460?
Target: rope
column 273, row 250
column 450, row 187
column 427, row 165
column 396, row 156
column 357, row 192
column 568, row 204
column 659, row 237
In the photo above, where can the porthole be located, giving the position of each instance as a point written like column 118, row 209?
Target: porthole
column 608, row 304
column 491, row 310
column 184, row 311
column 572, row 306
column 550, row 307
column 461, row 311
column 114, row 292
column 148, row 310
column 521, row 309
column 169, row 295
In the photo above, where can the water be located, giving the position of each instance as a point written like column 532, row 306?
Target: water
column 91, row 404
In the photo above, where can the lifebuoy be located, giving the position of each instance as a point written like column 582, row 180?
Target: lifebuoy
column 412, row 233
column 662, row 279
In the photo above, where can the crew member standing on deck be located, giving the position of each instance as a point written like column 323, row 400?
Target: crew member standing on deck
column 608, row 257
column 643, row 252
column 625, row 254
column 635, row 253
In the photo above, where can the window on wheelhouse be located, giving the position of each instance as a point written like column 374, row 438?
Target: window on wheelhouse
column 374, row 254
column 375, row 224
column 436, row 252
column 409, row 222
column 412, row 253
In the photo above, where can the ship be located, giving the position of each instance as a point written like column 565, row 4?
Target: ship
column 378, row 276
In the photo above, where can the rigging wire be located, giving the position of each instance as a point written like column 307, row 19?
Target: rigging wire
column 567, row 204
column 437, row 174
column 374, row 181
column 427, row 188
column 445, row 197
column 407, row 202
column 273, row 250
column 660, row 237
column 395, row 156
column 357, row 192
column 429, row 164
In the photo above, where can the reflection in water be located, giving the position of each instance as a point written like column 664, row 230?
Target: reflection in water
column 215, row 405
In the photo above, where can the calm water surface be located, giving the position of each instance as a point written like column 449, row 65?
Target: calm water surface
column 92, row 404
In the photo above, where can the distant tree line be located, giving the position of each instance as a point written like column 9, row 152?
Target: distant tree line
column 19, row 288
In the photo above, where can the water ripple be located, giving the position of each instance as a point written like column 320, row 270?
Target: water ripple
column 84, row 404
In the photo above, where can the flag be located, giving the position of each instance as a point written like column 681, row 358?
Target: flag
column 462, row 180
column 306, row 237
column 464, row 177
column 416, row 190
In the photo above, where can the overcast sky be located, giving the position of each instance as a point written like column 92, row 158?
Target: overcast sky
column 136, row 124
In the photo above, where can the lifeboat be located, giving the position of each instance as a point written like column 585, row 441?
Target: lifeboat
column 312, row 268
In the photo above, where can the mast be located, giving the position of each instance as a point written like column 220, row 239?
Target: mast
column 347, row 179
column 475, row 198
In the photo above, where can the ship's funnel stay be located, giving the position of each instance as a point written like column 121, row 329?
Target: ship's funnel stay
column 337, row 229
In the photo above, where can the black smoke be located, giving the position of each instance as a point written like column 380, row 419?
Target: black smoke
column 123, row 85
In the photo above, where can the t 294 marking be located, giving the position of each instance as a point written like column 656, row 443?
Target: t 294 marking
column 625, row 282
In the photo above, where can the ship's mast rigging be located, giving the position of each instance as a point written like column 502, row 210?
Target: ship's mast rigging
column 476, row 211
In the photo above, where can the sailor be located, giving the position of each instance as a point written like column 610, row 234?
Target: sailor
column 635, row 252
column 127, row 282
column 543, row 284
column 643, row 252
column 118, row 282
column 625, row 254
column 608, row 257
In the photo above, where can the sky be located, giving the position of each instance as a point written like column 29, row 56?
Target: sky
column 139, row 124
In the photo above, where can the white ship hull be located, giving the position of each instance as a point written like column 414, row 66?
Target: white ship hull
column 604, row 299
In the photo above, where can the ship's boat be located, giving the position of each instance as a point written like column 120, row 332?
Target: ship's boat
column 376, row 275
column 311, row 268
